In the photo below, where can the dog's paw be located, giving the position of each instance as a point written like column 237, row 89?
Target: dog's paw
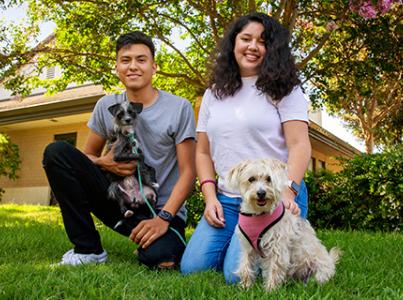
column 270, row 286
column 246, row 279
column 245, row 283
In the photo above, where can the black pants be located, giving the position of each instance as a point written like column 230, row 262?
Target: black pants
column 81, row 187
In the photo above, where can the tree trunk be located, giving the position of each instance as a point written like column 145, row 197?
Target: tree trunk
column 369, row 142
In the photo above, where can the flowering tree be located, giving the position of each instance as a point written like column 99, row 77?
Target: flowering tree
column 86, row 31
column 359, row 77
column 370, row 9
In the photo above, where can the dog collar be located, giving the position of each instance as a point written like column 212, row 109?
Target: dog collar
column 253, row 227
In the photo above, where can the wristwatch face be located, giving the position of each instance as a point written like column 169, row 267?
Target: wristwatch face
column 294, row 186
column 163, row 214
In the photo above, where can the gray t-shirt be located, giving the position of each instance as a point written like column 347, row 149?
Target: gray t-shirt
column 160, row 127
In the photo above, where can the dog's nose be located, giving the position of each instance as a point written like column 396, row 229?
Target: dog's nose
column 261, row 194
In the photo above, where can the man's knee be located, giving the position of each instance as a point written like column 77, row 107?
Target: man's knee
column 161, row 258
column 164, row 253
column 54, row 150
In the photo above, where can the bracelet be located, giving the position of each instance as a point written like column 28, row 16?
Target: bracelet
column 207, row 181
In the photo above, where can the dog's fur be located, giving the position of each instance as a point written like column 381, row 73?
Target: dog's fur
column 126, row 191
column 291, row 248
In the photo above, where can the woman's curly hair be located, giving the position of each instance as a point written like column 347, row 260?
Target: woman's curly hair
column 278, row 73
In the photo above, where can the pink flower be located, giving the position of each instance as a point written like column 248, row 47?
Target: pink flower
column 384, row 6
column 366, row 10
column 353, row 6
column 331, row 25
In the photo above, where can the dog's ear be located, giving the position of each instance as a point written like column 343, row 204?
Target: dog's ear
column 114, row 109
column 278, row 174
column 232, row 178
column 137, row 107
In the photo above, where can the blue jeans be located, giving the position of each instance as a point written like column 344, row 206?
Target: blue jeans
column 218, row 248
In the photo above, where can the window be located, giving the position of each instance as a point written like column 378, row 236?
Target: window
column 322, row 165
column 70, row 138
column 50, row 73
column 312, row 164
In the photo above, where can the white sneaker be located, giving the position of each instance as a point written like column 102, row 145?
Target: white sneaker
column 74, row 259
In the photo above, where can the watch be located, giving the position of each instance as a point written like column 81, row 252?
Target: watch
column 293, row 186
column 166, row 216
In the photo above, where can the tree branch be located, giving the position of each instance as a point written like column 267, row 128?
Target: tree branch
column 187, row 62
column 187, row 29
column 251, row 6
column 212, row 13
column 314, row 52
column 277, row 14
column 183, row 76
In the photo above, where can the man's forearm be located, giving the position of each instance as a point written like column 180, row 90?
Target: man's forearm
column 181, row 190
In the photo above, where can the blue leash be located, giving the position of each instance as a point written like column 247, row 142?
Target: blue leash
column 132, row 139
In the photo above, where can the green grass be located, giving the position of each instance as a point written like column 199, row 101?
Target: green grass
column 32, row 237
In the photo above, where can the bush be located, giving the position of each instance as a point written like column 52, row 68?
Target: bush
column 195, row 206
column 367, row 194
column 325, row 209
column 9, row 159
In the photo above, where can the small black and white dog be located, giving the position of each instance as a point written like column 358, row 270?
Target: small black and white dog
column 125, row 146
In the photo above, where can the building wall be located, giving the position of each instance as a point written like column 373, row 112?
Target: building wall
column 324, row 154
column 32, row 186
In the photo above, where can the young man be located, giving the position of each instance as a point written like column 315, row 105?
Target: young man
column 166, row 132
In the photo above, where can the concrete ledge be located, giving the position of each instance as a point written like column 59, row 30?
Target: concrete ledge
column 38, row 195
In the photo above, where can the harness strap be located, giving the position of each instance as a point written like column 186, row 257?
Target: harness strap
column 251, row 226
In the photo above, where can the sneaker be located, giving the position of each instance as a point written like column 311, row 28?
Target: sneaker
column 74, row 259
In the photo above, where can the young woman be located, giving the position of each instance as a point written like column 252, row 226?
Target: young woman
column 253, row 109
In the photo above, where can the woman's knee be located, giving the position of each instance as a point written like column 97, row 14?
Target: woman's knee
column 192, row 264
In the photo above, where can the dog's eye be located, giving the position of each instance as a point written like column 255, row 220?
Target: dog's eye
column 251, row 179
column 268, row 179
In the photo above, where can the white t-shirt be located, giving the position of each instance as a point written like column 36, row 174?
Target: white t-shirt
column 247, row 125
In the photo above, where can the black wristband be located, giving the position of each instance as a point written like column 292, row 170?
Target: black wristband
column 166, row 216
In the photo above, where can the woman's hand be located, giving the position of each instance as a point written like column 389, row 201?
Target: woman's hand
column 288, row 199
column 213, row 213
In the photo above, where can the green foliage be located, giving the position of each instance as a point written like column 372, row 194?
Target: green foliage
column 32, row 237
column 358, row 76
column 367, row 194
column 186, row 33
column 9, row 159
column 326, row 210
column 195, row 206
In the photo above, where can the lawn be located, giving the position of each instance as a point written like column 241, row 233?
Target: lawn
column 32, row 237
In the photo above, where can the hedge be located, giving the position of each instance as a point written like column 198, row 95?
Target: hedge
column 366, row 195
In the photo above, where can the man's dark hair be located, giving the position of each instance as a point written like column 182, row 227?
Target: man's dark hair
column 135, row 37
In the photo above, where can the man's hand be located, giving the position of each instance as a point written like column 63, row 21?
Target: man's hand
column 147, row 231
column 119, row 168
column 288, row 199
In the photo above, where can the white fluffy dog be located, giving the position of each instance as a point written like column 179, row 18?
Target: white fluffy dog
column 286, row 246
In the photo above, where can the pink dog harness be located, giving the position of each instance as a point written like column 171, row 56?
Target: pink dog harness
column 253, row 227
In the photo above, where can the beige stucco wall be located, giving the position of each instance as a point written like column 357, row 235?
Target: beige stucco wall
column 32, row 138
column 32, row 186
column 322, row 152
